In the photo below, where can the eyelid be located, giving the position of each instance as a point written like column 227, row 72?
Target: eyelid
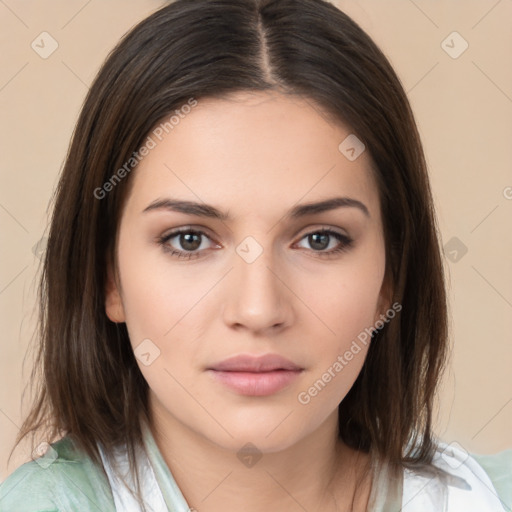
column 315, row 228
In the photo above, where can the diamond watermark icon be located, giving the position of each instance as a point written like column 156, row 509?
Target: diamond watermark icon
column 454, row 45
column 249, row 455
column 40, row 247
column 351, row 147
column 455, row 249
column 249, row 249
column 146, row 352
column 44, row 455
column 454, row 455
column 44, row 45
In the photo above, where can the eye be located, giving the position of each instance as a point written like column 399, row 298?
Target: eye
column 188, row 241
column 321, row 239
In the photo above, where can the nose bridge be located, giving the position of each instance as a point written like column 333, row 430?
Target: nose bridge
column 257, row 298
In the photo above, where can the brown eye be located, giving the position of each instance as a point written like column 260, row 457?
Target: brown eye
column 186, row 245
column 320, row 240
column 190, row 241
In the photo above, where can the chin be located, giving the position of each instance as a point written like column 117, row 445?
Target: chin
column 269, row 433
column 257, row 443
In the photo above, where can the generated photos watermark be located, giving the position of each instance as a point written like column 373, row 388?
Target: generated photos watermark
column 151, row 142
column 304, row 397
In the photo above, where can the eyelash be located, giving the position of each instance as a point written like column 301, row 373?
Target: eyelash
column 346, row 243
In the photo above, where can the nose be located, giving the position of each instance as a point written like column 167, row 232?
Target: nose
column 258, row 298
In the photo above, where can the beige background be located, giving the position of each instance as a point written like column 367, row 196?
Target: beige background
column 464, row 110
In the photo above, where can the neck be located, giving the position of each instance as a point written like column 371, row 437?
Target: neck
column 317, row 473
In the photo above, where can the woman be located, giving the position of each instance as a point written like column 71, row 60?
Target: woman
column 243, row 296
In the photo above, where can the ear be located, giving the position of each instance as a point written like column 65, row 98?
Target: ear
column 385, row 297
column 113, row 302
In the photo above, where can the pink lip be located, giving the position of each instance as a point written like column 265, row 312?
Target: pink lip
column 256, row 376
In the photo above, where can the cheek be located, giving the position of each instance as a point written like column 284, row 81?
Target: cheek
column 347, row 299
column 157, row 293
column 348, row 305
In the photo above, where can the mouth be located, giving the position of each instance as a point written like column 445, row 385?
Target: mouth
column 255, row 376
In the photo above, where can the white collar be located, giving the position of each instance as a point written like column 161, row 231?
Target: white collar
column 454, row 482
column 123, row 499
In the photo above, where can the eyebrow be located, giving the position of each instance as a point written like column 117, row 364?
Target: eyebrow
column 206, row 210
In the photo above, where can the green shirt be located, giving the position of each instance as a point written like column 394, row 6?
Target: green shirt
column 66, row 480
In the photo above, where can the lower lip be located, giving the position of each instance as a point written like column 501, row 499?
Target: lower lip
column 257, row 384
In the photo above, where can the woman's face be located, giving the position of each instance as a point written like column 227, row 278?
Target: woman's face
column 252, row 274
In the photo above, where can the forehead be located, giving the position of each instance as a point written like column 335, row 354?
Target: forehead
column 256, row 151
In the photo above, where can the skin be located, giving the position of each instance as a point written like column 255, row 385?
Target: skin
column 254, row 156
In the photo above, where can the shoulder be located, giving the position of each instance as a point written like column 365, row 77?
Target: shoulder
column 62, row 479
column 458, row 480
column 498, row 467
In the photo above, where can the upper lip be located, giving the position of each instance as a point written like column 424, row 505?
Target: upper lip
column 256, row 364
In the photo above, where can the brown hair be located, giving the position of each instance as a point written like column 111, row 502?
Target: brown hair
column 91, row 387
